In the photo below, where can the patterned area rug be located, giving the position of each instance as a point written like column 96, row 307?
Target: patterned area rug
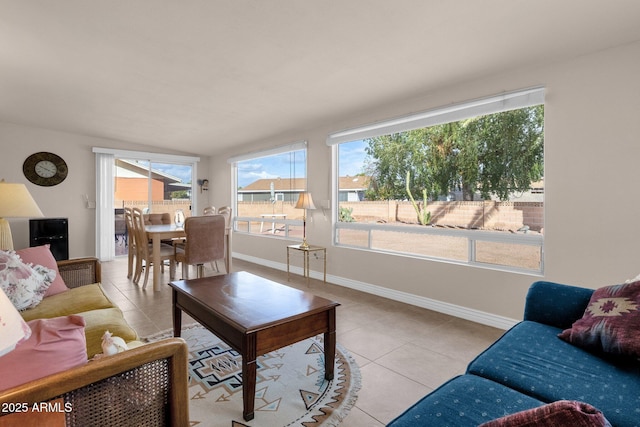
column 290, row 386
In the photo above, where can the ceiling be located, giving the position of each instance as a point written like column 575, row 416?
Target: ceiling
column 201, row 76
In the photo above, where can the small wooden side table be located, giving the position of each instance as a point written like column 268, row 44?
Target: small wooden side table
column 306, row 251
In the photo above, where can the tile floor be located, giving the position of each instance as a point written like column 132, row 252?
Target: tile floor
column 403, row 351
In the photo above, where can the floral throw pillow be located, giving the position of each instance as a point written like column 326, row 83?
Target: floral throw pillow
column 611, row 322
column 24, row 284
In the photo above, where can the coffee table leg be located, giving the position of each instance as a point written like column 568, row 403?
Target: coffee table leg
column 249, row 377
column 177, row 316
column 330, row 345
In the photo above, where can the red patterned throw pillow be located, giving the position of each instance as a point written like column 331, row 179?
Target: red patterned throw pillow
column 611, row 322
column 560, row 413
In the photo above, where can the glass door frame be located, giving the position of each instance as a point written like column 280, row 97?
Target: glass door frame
column 105, row 216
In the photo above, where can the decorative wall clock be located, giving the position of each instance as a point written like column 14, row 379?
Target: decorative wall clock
column 45, row 169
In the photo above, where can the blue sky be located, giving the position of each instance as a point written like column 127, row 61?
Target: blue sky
column 181, row 171
column 352, row 156
column 286, row 165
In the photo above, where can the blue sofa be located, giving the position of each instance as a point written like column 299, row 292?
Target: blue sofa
column 530, row 366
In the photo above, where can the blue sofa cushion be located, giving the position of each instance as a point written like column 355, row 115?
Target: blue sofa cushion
column 531, row 358
column 466, row 400
column 556, row 304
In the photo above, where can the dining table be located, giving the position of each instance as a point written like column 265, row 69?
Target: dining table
column 158, row 232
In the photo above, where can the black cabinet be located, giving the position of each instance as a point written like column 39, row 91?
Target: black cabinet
column 54, row 231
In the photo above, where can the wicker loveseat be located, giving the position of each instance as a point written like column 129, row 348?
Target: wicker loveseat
column 143, row 386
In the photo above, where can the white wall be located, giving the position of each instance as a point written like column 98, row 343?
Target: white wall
column 592, row 149
column 67, row 198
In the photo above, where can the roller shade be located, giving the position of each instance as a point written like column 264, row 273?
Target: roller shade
column 452, row 113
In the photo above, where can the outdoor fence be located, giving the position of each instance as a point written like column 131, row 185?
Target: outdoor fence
column 158, row 206
column 487, row 215
column 490, row 215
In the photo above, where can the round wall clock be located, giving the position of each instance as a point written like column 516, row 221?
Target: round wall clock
column 45, row 169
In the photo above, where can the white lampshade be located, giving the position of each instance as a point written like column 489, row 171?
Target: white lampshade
column 305, row 201
column 15, row 202
column 13, row 328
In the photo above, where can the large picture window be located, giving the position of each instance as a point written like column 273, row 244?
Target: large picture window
column 460, row 184
column 267, row 185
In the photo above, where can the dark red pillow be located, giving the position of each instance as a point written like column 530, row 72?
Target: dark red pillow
column 611, row 322
column 560, row 413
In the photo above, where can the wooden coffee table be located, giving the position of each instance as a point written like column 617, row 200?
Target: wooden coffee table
column 255, row 316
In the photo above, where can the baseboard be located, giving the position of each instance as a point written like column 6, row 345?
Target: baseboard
column 473, row 315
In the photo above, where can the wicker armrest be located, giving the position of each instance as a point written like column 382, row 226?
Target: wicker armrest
column 80, row 271
column 146, row 385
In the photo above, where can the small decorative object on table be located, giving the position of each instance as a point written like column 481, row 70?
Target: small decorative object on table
column 178, row 218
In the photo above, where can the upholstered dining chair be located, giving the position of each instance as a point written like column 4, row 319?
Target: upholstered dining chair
column 157, row 218
column 204, row 243
column 145, row 250
column 209, row 210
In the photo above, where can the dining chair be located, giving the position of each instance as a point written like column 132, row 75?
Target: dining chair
column 157, row 218
column 145, row 251
column 131, row 240
column 209, row 210
column 205, row 236
column 225, row 211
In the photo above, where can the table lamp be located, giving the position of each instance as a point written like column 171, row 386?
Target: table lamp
column 13, row 328
column 15, row 202
column 305, row 201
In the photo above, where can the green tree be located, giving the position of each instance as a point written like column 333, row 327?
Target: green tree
column 180, row 194
column 510, row 150
column 495, row 154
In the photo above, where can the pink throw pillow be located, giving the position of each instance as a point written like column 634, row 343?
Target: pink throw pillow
column 41, row 255
column 55, row 345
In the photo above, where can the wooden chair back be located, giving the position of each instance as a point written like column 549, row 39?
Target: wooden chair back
column 131, row 240
column 225, row 211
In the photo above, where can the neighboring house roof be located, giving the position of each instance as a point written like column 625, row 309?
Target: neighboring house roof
column 283, row 185
column 358, row 182
column 133, row 169
column 280, row 185
column 538, row 186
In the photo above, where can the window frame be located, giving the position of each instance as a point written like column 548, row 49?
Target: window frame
column 489, row 105
column 233, row 161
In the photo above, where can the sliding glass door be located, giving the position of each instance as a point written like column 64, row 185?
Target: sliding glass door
column 155, row 183
column 154, row 187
